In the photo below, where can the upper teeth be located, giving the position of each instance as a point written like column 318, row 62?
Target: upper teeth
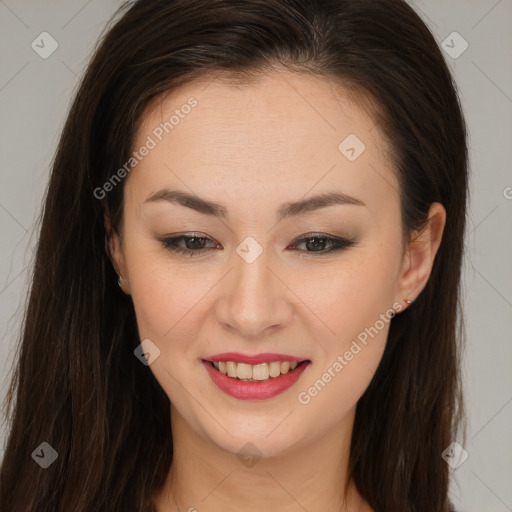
column 261, row 371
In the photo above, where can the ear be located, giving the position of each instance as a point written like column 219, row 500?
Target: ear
column 114, row 249
column 419, row 255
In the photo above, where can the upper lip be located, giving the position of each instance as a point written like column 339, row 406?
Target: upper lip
column 252, row 359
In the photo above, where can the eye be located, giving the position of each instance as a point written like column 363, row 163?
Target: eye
column 321, row 243
column 193, row 244
column 315, row 244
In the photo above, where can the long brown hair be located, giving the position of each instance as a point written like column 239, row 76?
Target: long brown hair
column 77, row 384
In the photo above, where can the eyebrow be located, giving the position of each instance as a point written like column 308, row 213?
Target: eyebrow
column 288, row 209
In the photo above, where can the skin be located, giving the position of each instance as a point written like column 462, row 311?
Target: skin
column 252, row 148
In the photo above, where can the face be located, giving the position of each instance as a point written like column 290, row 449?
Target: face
column 313, row 283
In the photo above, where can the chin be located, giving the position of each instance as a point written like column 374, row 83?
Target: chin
column 257, row 439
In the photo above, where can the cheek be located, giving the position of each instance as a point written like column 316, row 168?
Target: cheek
column 357, row 312
column 356, row 306
column 166, row 299
column 166, row 305
column 352, row 297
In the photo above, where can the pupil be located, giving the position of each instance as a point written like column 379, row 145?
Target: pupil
column 195, row 242
column 313, row 242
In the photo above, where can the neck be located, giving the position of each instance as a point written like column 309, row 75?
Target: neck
column 309, row 477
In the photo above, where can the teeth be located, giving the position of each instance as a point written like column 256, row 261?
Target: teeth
column 231, row 369
column 275, row 369
column 258, row 372
column 243, row 371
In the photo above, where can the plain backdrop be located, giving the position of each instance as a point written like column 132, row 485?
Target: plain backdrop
column 35, row 94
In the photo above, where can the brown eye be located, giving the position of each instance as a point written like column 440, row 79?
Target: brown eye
column 193, row 244
column 320, row 243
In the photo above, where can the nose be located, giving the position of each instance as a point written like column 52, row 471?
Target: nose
column 254, row 299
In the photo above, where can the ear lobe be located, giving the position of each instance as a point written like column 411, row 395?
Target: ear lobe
column 420, row 254
column 115, row 254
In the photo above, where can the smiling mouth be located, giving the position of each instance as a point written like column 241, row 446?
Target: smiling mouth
column 257, row 372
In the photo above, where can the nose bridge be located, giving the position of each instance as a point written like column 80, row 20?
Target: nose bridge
column 255, row 299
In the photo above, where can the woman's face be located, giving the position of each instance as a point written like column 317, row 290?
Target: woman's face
column 260, row 276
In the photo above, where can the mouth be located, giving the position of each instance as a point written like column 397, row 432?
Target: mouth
column 254, row 377
column 261, row 372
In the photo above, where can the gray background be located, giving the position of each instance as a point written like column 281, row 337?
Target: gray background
column 35, row 94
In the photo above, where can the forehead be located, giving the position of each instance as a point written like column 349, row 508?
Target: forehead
column 281, row 133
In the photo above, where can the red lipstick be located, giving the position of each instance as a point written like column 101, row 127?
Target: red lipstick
column 255, row 390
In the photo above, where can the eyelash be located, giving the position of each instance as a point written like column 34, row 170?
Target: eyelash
column 337, row 244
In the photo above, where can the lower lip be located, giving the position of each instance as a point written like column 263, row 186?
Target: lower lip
column 247, row 390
